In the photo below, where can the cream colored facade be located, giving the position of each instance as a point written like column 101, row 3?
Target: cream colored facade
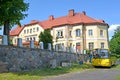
column 29, row 32
column 96, row 36
column 69, row 36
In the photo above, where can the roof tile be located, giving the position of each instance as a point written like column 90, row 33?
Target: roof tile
column 16, row 31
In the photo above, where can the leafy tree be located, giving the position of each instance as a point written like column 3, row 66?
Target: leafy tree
column 11, row 12
column 115, row 42
column 46, row 38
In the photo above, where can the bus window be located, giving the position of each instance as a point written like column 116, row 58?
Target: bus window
column 104, row 55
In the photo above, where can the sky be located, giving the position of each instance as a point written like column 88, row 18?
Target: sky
column 107, row 10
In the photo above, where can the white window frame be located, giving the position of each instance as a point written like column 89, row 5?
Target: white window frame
column 101, row 32
column 90, row 32
column 102, row 45
column 59, row 33
column 91, row 45
column 78, row 32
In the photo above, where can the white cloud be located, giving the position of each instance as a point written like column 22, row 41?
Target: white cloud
column 113, row 27
column 111, row 30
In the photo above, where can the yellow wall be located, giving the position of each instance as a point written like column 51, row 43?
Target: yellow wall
column 95, row 38
column 33, row 33
column 68, row 40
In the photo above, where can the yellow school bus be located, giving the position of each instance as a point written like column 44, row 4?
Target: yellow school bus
column 103, row 58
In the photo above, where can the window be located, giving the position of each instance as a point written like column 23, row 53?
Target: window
column 27, row 39
column 102, row 45
column 91, row 45
column 30, row 30
column 27, row 30
column 78, row 32
column 90, row 32
column 34, row 38
column 37, row 29
column 24, row 31
column 70, row 33
column 101, row 32
column 30, row 38
column 33, row 29
column 60, row 34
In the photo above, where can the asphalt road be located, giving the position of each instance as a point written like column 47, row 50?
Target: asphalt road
column 98, row 74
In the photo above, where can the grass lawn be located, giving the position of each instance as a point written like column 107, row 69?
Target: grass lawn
column 117, row 66
column 118, row 77
column 39, row 74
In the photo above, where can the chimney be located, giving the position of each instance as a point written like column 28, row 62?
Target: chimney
column 84, row 13
column 51, row 17
column 71, row 12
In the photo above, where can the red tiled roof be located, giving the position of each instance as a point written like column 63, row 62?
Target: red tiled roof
column 77, row 18
column 16, row 31
column 71, row 19
column 32, row 22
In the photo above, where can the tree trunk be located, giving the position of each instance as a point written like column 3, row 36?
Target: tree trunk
column 6, row 30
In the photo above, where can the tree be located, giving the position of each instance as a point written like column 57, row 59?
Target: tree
column 46, row 38
column 115, row 42
column 11, row 12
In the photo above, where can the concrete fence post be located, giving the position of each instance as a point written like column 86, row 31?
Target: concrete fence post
column 19, row 42
column 4, row 40
column 56, row 47
column 31, row 44
column 41, row 45
column 49, row 46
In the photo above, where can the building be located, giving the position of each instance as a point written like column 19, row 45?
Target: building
column 27, row 32
column 76, row 32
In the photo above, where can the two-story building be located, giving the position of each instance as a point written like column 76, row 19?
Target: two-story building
column 75, row 31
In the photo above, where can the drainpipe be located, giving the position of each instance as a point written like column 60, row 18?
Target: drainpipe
column 108, row 37
column 84, row 36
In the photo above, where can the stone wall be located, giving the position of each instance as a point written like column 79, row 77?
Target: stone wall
column 18, row 59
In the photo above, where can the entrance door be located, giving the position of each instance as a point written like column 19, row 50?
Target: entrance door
column 78, row 48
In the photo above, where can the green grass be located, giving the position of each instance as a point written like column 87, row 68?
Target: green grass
column 116, row 66
column 39, row 74
column 118, row 78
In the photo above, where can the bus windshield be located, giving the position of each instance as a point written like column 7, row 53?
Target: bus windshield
column 101, row 53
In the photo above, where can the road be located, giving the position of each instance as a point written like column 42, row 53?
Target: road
column 97, row 74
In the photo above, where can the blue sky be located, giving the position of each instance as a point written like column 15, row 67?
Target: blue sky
column 108, row 10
